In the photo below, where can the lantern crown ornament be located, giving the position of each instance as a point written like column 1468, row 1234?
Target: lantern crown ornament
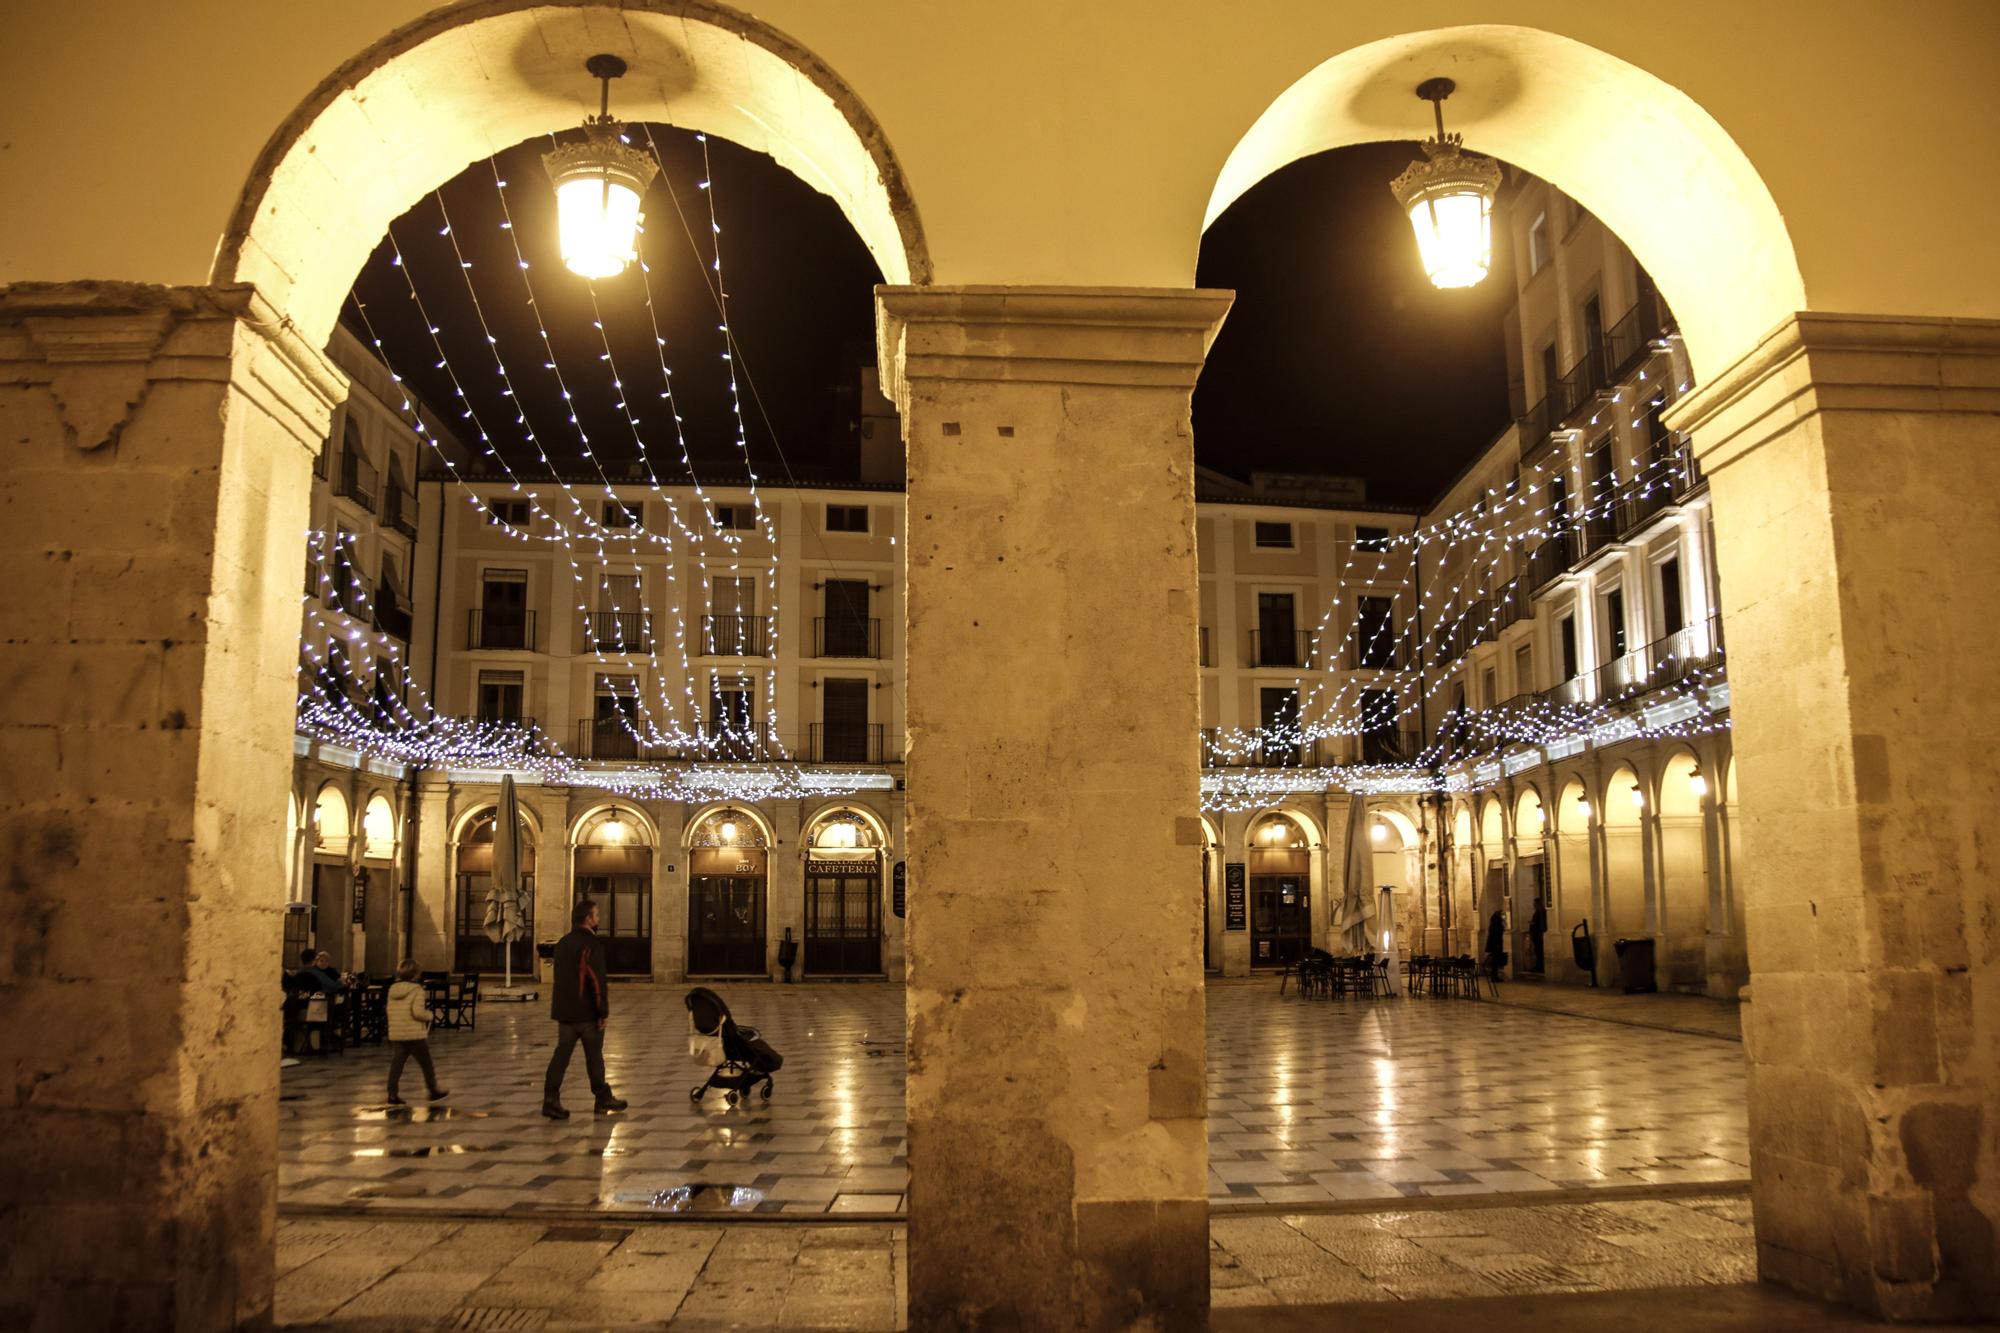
column 1448, row 194
column 600, row 184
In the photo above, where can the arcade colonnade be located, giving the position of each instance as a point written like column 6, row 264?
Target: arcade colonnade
column 1033, row 180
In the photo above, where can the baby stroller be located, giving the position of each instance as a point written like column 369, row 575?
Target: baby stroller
column 746, row 1059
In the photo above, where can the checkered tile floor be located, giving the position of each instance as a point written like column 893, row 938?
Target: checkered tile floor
column 1309, row 1102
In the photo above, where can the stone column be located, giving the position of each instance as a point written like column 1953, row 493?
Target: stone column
column 157, row 447
column 431, row 921
column 1855, row 465
column 785, row 907
column 1058, row 1166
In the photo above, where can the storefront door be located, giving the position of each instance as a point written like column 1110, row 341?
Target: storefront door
column 726, row 925
column 843, row 918
column 624, row 919
column 1280, row 919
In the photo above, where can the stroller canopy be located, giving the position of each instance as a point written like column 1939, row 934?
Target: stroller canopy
column 707, row 1011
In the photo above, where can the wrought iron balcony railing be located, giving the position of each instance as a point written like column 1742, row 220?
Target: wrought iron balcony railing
column 735, row 636
column 492, row 627
column 617, row 631
column 845, row 636
column 358, row 480
column 845, row 743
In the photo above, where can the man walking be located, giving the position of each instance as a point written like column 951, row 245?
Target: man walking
column 580, row 1005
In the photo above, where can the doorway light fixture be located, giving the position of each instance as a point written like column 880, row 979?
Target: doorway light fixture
column 600, row 184
column 1698, row 785
column 613, row 829
column 1448, row 195
column 1378, row 831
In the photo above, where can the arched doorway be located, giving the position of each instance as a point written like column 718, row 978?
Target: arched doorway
column 1280, row 856
column 472, row 950
column 373, row 911
column 1685, row 889
column 1532, row 908
column 728, row 892
column 1574, row 878
column 332, row 875
column 1626, row 889
column 844, row 857
column 614, row 869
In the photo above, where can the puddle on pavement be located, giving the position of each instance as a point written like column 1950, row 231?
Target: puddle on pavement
column 417, row 1115
column 697, row 1197
column 433, row 1150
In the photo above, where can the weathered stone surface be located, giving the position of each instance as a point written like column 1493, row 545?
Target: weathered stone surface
column 1057, row 1162
column 1855, row 461
column 151, row 501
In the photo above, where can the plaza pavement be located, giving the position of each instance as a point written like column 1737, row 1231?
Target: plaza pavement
column 1312, row 1104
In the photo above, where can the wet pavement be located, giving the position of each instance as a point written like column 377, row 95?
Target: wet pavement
column 1626, row 1260
column 1313, row 1104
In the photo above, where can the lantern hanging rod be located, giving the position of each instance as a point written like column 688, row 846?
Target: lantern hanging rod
column 604, row 68
column 1433, row 91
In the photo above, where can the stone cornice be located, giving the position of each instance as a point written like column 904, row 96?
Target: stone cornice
column 99, row 346
column 1136, row 337
column 1816, row 362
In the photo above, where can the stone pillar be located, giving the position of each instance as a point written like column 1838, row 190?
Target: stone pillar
column 157, row 447
column 1058, row 1168
column 1855, row 465
column 785, row 907
column 430, row 941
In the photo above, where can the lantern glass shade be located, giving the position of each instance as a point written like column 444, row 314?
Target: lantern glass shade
column 1448, row 195
column 600, row 185
column 1454, row 236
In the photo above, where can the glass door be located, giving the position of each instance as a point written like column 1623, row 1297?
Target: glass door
column 726, row 925
column 1280, row 919
column 844, row 921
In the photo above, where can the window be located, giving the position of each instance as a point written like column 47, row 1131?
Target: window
column 503, row 620
column 732, row 717
column 1673, row 615
column 1371, row 539
column 1489, row 684
column 1593, row 340
column 500, row 696
column 623, row 514
column 844, row 723
column 1538, row 243
column 1524, row 669
column 1550, row 375
column 847, row 518
column 511, row 513
column 1280, row 716
column 735, row 517
column 341, row 592
column 1274, row 534
column 1375, row 633
column 1278, row 640
column 846, row 630
column 1614, row 622
column 1566, row 631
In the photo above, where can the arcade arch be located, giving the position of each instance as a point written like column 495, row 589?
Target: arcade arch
column 473, row 885
column 729, row 869
column 1687, row 888
column 846, row 857
column 612, row 863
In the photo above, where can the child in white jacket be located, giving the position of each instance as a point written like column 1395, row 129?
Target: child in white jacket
column 410, row 1031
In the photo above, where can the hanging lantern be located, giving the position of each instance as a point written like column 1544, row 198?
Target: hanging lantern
column 1449, row 197
column 600, row 184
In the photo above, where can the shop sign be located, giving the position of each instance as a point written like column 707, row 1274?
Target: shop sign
column 360, row 897
column 1235, row 898
column 896, row 882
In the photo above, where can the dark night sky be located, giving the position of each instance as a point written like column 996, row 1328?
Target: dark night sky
column 1338, row 356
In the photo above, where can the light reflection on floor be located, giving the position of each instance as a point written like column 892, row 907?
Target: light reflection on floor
column 1309, row 1102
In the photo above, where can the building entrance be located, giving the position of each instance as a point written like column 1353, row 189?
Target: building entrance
column 1280, row 893
column 843, row 918
column 726, row 924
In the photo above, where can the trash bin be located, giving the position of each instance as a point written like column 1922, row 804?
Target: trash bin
column 1635, row 959
column 545, row 962
column 1584, row 948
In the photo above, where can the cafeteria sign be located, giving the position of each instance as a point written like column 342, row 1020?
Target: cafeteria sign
column 1235, row 905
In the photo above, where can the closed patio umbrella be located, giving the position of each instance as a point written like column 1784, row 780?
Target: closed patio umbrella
column 1357, row 896
column 506, row 912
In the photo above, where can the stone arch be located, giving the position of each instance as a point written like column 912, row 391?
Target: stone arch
column 1315, row 840
column 627, row 811
column 333, row 821
column 459, row 84
column 875, row 822
column 750, row 812
column 461, row 826
column 1631, row 148
column 380, row 829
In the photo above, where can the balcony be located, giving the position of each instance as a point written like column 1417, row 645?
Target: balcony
column 1552, row 559
column 1598, row 530
column 312, row 578
column 1379, row 653
column 1621, row 677
column 846, row 636
column 607, row 738
column 1296, row 649
column 1254, row 752
column 1637, row 508
column 1480, row 625
column 1205, row 659
column 1510, row 604
column 735, row 636
column 1688, row 477
column 724, row 744
column 358, row 480
column 500, row 628
column 391, row 616
column 524, row 725
column 1391, row 747
column 1628, row 341
column 845, row 743
column 617, row 632
column 399, row 510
